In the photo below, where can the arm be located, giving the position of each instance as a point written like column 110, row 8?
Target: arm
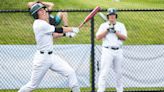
column 65, row 31
column 101, row 35
column 57, row 32
column 58, row 35
column 49, row 5
column 121, row 36
column 29, row 4
column 102, row 32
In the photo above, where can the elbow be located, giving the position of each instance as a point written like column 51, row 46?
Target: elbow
column 52, row 5
column 98, row 38
column 124, row 38
column 29, row 4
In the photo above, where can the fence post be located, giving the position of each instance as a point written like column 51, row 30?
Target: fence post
column 92, row 56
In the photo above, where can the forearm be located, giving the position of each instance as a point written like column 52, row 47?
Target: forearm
column 101, row 35
column 63, row 29
column 29, row 4
column 68, row 32
column 58, row 35
column 67, row 29
column 120, row 36
column 49, row 5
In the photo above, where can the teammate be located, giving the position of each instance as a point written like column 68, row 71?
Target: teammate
column 112, row 33
column 44, row 58
column 53, row 20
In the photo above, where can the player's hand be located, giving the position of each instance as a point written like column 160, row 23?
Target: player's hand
column 111, row 29
column 75, row 29
column 70, row 34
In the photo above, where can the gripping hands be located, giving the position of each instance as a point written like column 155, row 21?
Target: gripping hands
column 75, row 30
column 111, row 29
column 70, row 34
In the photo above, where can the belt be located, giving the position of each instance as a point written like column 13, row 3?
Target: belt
column 113, row 48
column 42, row 52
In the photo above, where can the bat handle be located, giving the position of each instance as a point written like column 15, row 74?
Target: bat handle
column 81, row 25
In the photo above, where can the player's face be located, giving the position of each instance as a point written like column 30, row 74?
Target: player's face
column 43, row 13
column 112, row 18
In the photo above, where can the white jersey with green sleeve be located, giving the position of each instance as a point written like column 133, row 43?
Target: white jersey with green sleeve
column 43, row 35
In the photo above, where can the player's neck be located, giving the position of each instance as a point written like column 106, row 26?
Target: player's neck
column 112, row 22
column 42, row 18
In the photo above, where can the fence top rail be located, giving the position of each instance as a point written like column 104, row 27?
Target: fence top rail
column 86, row 10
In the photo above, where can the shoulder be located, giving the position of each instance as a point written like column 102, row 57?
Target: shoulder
column 119, row 23
column 40, row 23
column 105, row 24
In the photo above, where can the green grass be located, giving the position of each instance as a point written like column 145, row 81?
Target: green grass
column 142, row 27
column 85, row 4
column 89, row 89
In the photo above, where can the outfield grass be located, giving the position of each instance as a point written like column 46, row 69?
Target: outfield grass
column 89, row 89
column 142, row 27
column 85, row 4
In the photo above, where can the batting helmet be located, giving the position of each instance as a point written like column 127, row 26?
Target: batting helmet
column 112, row 11
column 35, row 8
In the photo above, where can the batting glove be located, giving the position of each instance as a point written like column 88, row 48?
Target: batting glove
column 111, row 29
column 75, row 29
column 70, row 34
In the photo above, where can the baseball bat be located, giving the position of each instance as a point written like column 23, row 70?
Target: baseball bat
column 90, row 15
column 103, row 16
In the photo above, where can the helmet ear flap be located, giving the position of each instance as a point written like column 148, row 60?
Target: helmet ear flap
column 35, row 16
column 107, row 16
column 116, row 16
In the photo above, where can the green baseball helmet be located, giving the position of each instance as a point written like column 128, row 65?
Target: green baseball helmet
column 35, row 8
column 112, row 11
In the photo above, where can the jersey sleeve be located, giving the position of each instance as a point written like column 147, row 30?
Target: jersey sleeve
column 123, row 30
column 45, row 27
column 101, row 29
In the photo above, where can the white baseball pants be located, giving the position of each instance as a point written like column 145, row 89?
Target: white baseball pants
column 41, row 64
column 108, row 58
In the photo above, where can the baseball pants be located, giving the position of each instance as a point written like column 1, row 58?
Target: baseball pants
column 110, row 57
column 41, row 64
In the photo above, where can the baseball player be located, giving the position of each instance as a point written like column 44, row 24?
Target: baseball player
column 44, row 58
column 112, row 33
column 53, row 20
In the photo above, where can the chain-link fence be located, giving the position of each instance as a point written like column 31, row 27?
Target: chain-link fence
column 143, row 51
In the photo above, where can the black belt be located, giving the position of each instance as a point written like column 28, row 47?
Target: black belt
column 50, row 52
column 113, row 48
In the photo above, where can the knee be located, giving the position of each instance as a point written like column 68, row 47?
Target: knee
column 102, row 77
column 26, row 89
column 103, row 74
column 71, row 72
column 62, row 14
